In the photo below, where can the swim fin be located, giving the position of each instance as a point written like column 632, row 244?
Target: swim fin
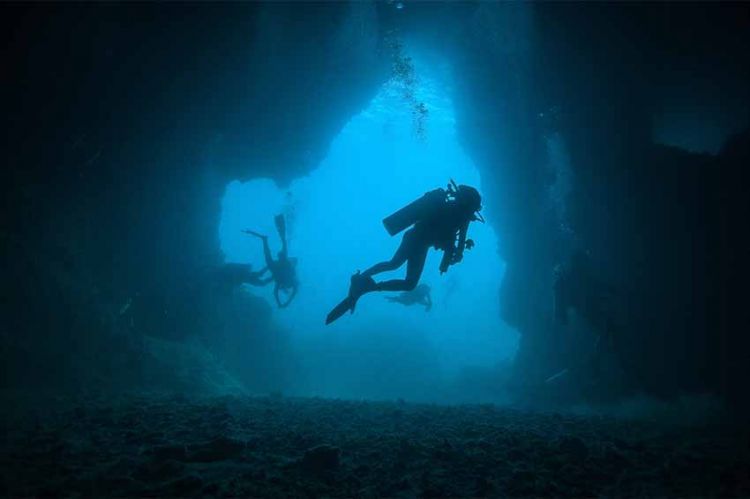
column 339, row 310
column 280, row 227
column 358, row 286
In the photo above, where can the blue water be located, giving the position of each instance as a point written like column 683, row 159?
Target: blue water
column 377, row 163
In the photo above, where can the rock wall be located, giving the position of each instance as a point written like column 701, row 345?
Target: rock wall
column 124, row 122
column 549, row 83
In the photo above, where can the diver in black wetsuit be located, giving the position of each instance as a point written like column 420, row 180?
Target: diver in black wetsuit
column 441, row 220
column 418, row 296
column 283, row 270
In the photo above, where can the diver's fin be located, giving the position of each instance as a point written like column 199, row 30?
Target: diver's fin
column 339, row 310
column 358, row 286
column 280, row 227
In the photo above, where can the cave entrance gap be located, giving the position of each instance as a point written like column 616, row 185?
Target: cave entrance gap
column 378, row 163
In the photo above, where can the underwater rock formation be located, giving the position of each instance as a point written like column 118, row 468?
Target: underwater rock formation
column 662, row 224
column 125, row 122
column 277, row 447
column 116, row 170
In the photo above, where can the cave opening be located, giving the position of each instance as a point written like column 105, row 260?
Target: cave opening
column 401, row 145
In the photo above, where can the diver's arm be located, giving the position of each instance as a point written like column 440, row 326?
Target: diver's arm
column 459, row 254
column 447, row 259
column 289, row 300
column 267, row 252
column 266, row 248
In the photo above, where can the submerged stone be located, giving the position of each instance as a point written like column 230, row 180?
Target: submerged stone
column 321, row 458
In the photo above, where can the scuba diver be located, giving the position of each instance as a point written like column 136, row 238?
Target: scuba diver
column 283, row 270
column 417, row 296
column 440, row 219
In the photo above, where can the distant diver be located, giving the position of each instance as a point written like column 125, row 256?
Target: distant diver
column 283, row 270
column 417, row 296
column 440, row 219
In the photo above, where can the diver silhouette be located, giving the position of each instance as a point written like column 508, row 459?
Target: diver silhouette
column 440, row 219
column 417, row 296
column 283, row 269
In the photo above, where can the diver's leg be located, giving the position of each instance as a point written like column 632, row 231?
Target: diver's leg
column 362, row 283
column 378, row 268
column 281, row 229
column 399, row 257
column 414, row 267
column 267, row 252
column 266, row 248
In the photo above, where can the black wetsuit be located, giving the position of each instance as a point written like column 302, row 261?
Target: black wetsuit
column 282, row 270
column 438, row 230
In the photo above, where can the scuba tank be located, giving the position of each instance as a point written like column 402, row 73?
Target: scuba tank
column 415, row 211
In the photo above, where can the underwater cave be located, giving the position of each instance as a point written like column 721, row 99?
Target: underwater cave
column 381, row 159
column 594, row 332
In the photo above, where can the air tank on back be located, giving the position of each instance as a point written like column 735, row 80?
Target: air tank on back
column 415, row 211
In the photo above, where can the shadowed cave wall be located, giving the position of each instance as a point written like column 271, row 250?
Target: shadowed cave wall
column 125, row 122
column 661, row 224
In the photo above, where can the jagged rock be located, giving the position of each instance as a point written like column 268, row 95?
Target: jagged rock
column 522, row 482
column 616, row 458
column 188, row 485
column 574, row 447
column 321, row 458
column 159, row 470
column 177, row 452
column 196, row 462
column 218, row 449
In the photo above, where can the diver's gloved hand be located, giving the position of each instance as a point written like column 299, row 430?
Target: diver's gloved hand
column 469, row 244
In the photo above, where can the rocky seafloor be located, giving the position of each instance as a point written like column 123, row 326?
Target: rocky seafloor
column 169, row 445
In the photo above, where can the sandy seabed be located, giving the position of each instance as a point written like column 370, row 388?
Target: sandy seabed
column 170, row 445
